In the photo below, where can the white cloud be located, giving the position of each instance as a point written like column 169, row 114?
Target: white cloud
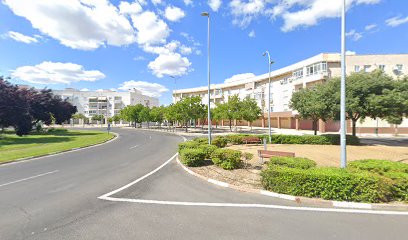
column 396, row 21
column 251, row 34
column 214, row 4
column 353, row 34
column 139, row 58
column 174, row 14
column 185, row 50
column 350, row 53
column 155, row 2
column 78, row 24
column 188, row 2
column 238, row 77
column 130, row 8
column 21, row 37
column 190, row 39
column 56, row 73
column 170, row 64
column 149, row 89
column 295, row 13
column 370, row 27
column 151, row 29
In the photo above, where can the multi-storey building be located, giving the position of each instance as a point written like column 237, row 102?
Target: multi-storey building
column 303, row 74
column 107, row 103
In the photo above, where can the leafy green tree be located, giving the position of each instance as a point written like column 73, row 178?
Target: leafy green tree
column 170, row 114
column 157, row 114
column 231, row 110
column 116, row 118
column 145, row 116
column 216, row 115
column 313, row 103
column 250, row 110
column 188, row 108
column 362, row 88
column 131, row 113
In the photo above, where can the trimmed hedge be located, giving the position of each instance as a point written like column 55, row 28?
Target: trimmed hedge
column 189, row 144
column 220, row 141
column 293, row 162
column 226, row 158
column 208, row 150
column 378, row 166
column 399, row 185
column 327, row 183
column 201, row 140
column 192, row 157
column 328, row 139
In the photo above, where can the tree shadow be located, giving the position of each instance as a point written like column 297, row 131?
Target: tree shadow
column 23, row 140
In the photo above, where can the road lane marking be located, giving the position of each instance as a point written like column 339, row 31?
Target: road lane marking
column 134, row 146
column 28, row 178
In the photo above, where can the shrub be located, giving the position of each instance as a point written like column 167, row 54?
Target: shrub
column 192, row 157
column 235, row 139
column 201, row 140
column 226, row 158
column 189, row 144
column 328, row 139
column 334, row 139
column 327, row 183
column 208, row 150
column 292, row 162
column 219, row 141
column 378, row 166
column 399, row 185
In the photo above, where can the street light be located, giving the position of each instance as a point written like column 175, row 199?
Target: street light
column 206, row 14
column 269, row 94
column 343, row 154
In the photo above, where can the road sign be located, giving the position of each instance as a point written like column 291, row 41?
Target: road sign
column 109, row 127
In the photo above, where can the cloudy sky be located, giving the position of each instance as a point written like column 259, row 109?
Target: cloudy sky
column 158, row 45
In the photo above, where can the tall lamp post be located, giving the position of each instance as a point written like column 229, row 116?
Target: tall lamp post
column 343, row 155
column 206, row 14
column 269, row 95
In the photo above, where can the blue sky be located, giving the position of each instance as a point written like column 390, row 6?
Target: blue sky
column 100, row 44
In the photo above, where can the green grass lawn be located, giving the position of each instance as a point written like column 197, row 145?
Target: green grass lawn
column 13, row 147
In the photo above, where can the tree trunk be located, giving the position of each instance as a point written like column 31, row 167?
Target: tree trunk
column 315, row 126
column 230, row 125
column 354, row 122
column 186, row 125
column 396, row 130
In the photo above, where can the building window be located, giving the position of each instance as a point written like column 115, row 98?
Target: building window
column 381, row 67
column 367, row 68
column 356, row 68
column 298, row 73
column 316, row 68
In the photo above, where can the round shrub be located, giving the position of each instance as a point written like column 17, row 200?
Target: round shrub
column 201, row 140
column 327, row 183
column 235, row 139
column 226, row 158
column 192, row 157
column 208, row 150
column 399, row 185
column 378, row 166
column 220, row 141
column 189, row 144
column 292, row 162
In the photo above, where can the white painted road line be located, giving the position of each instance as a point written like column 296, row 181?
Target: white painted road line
column 221, row 184
column 28, row 178
column 351, row 205
column 134, row 146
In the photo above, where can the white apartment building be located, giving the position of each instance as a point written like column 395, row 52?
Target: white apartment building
column 303, row 74
column 105, row 102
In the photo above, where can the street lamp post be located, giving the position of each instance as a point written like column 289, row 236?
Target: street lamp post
column 206, row 14
column 269, row 95
column 343, row 129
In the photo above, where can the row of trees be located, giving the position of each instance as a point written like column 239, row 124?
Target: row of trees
column 368, row 95
column 190, row 109
column 24, row 108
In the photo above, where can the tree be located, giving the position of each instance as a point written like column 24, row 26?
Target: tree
column 25, row 108
column 361, row 89
column 187, row 109
column 145, row 116
column 231, row 110
column 97, row 117
column 313, row 103
column 131, row 113
column 170, row 114
column 116, row 118
column 157, row 114
column 250, row 110
column 216, row 115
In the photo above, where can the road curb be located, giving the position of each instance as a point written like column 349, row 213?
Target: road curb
column 301, row 200
column 61, row 152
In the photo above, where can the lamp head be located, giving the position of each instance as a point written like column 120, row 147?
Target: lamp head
column 264, row 54
column 205, row 14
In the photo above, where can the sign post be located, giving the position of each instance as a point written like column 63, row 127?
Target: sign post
column 109, row 128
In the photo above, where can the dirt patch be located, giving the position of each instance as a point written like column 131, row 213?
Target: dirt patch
column 329, row 155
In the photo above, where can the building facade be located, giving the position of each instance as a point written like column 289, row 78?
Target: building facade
column 107, row 103
column 304, row 74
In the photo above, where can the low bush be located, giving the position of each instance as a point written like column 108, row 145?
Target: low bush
column 201, row 140
column 226, row 158
column 327, row 183
column 292, row 162
column 189, row 144
column 399, row 185
column 334, row 139
column 220, row 141
column 378, row 166
column 208, row 150
column 235, row 139
column 192, row 157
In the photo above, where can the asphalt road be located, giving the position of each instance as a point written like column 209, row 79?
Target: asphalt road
column 57, row 198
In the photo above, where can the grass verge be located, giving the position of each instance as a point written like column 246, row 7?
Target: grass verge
column 13, row 147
